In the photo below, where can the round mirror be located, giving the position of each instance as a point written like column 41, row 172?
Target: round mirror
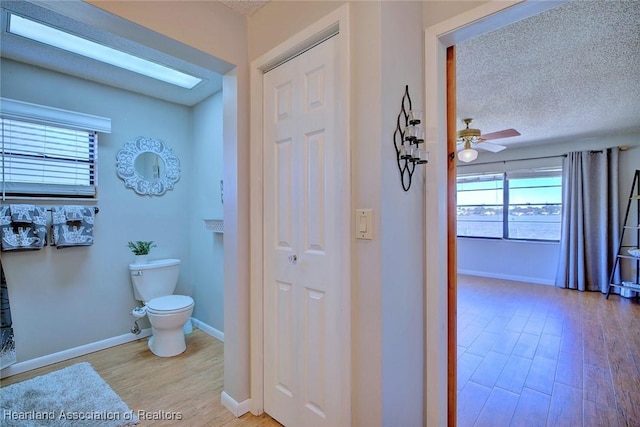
column 148, row 166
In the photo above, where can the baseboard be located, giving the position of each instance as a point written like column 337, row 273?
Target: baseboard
column 209, row 330
column 525, row 279
column 237, row 409
column 39, row 362
column 49, row 359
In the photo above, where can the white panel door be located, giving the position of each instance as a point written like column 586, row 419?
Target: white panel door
column 303, row 354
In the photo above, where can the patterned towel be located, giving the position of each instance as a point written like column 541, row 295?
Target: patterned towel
column 21, row 234
column 21, row 213
column 74, row 213
column 72, row 226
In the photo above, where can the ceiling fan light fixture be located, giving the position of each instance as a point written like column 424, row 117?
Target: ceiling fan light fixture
column 467, row 155
column 469, row 134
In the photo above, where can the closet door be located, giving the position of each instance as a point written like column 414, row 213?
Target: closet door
column 302, row 273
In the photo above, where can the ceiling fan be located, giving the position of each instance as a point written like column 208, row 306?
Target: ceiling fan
column 469, row 137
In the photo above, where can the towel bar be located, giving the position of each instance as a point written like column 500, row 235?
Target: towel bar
column 95, row 209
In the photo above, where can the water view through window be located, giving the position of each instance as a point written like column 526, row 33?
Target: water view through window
column 515, row 205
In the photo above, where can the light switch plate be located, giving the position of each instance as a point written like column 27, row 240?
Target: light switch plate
column 364, row 224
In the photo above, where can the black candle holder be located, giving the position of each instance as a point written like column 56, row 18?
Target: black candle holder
column 407, row 139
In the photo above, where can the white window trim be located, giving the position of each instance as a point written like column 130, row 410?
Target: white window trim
column 26, row 111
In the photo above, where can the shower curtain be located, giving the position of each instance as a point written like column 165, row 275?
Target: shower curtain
column 8, row 351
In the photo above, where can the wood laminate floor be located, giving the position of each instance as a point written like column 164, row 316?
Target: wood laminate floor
column 189, row 384
column 536, row 355
column 528, row 355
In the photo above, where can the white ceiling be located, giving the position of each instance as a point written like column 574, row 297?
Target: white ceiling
column 570, row 72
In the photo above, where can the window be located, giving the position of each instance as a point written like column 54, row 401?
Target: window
column 47, row 151
column 480, row 205
column 47, row 160
column 523, row 205
column 535, row 205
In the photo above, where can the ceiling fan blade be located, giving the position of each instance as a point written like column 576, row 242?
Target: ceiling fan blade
column 488, row 146
column 507, row 133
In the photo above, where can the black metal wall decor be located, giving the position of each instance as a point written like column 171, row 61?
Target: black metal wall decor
column 408, row 140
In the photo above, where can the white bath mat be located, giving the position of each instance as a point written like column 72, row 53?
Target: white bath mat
column 73, row 396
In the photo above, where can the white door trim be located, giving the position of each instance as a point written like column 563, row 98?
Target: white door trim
column 293, row 46
column 482, row 19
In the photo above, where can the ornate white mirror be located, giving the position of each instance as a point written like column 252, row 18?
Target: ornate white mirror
column 148, row 166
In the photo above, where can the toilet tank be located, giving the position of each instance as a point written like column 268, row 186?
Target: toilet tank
column 154, row 279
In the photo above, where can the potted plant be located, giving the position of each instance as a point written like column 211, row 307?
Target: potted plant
column 141, row 250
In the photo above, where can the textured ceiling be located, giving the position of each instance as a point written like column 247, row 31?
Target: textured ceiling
column 567, row 73
column 244, row 7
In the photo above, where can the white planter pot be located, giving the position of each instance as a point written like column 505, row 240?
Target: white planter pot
column 141, row 259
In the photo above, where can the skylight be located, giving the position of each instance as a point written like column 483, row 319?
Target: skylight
column 53, row 37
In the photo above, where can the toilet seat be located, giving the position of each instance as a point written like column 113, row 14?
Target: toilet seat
column 169, row 304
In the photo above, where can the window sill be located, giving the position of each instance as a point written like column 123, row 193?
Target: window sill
column 67, row 200
column 552, row 242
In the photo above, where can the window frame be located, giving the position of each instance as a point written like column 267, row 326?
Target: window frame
column 486, row 177
column 552, row 171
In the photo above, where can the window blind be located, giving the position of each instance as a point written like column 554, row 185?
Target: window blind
column 47, row 160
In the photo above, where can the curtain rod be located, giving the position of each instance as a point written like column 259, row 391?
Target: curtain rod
column 512, row 160
column 623, row 148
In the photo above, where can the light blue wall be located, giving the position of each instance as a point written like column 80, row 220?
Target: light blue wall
column 207, row 247
column 537, row 262
column 64, row 298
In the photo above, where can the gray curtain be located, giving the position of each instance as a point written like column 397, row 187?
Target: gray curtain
column 590, row 220
column 8, row 349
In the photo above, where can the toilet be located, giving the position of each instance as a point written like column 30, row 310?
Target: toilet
column 153, row 284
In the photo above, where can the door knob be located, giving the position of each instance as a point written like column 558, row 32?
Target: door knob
column 293, row 259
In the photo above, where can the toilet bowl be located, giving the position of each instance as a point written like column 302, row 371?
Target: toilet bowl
column 168, row 316
column 153, row 284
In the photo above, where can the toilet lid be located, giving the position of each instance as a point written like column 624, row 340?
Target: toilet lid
column 170, row 303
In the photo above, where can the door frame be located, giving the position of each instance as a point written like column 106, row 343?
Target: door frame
column 440, row 310
column 335, row 22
